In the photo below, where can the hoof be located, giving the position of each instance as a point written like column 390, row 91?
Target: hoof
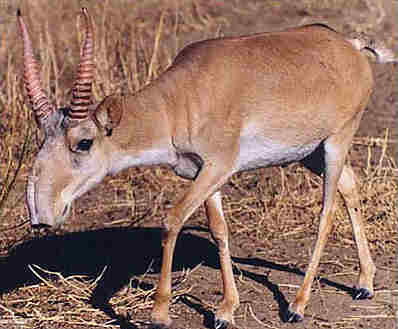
column 292, row 316
column 220, row 324
column 361, row 293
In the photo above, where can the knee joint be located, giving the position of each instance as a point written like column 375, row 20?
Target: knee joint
column 221, row 240
column 171, row 228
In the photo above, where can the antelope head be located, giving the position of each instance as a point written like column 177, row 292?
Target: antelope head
column 73, row 157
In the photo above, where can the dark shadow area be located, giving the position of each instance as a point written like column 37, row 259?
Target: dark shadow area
column 278, row 296
column 208, row 316
column 126, row 252
column 258, row 262
column 315, row 161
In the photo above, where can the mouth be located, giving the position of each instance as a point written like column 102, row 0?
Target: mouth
column 38, row 226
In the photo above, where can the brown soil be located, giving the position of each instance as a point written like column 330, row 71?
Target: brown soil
column 110, row 248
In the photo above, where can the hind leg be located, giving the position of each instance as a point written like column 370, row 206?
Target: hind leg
column 329, row 160
column 334, row 156
column 347, row 188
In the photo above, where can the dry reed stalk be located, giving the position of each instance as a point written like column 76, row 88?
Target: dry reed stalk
column 153, row 62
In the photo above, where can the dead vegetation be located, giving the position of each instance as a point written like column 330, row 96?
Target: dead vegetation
column 267, row 209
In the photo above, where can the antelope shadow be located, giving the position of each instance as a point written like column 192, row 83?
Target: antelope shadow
column 126, row 252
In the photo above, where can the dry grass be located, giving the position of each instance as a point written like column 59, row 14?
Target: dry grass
column 65, row 301
column 134, row 45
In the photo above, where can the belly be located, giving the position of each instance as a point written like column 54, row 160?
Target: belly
column 257, row 152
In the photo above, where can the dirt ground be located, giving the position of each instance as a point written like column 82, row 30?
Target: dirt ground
column 100, row 270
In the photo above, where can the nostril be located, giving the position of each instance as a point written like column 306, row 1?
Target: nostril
column 65, row 211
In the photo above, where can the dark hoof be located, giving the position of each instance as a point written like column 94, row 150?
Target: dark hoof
column 293, row 317
column 361, row 293
column 220, row 324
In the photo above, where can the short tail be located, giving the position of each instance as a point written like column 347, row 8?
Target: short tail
column 382, row 53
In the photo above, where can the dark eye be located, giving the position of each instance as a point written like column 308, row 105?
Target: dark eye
column 84, row 145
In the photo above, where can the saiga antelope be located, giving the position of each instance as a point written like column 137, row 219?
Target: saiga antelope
column 224, row 106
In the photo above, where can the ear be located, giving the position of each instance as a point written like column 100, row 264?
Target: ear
column 109, row 113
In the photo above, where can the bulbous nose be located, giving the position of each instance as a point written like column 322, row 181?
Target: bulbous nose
column 46, row 208
column 30, row 195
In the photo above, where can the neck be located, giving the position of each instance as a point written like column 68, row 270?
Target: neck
column 144, row 134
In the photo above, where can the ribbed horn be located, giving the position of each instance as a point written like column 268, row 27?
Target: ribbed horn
column 37, row 97
column 81, row 94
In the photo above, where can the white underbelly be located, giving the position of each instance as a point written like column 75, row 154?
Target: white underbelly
column 258, row 152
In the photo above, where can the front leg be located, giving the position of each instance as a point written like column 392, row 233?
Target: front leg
column 212, row 176
column 219, row 232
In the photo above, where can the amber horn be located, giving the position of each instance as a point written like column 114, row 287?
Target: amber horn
column 37, row 97
column 81, row 94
